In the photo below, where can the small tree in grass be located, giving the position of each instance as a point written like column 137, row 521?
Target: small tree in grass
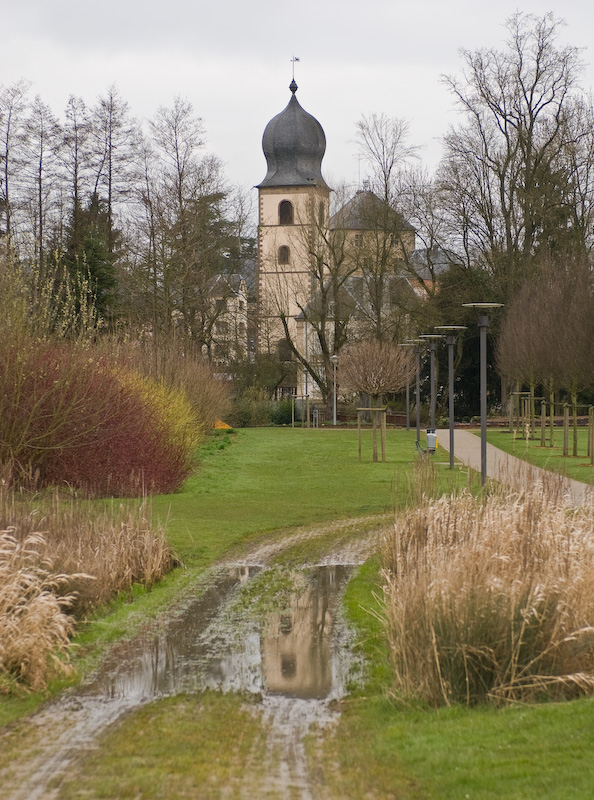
column 375, row 368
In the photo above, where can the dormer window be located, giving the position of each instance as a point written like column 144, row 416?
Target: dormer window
column 285, row 213
column 283, row 254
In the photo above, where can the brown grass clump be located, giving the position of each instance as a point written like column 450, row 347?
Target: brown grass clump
column 118, row 545
column 59, row 559
column 34, row 625
column 491, row 600
column 103, row 548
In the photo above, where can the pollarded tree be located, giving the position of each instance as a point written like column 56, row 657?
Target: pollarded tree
column 375, row 369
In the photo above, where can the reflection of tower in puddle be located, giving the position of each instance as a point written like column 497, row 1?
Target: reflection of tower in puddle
column 296, row 653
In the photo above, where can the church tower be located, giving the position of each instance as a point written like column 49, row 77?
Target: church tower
column 293, row 212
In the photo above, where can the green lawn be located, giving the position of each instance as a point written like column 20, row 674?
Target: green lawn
column 387, row 749
column 259, row 481
column 264, row 479
column 551, row 458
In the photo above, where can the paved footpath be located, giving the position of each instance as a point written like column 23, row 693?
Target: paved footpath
column 509, row 469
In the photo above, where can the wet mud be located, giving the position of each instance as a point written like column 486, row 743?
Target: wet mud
column 295, row 655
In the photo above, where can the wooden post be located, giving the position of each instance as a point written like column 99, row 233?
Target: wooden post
column 552, row 408
column 543, row 423
column 511, row 407
column 565, row 429
column 590, row 448
column 359, row 429
column 383, row 429
column 292, row 410
column 307, row 411
column 526, row 418
column 575, row 425
column 532, row 408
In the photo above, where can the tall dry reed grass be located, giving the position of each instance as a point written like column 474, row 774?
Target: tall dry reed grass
column 491, row 600
column 35, row 627
column 59, row 559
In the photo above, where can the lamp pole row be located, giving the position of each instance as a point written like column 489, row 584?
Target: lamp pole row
column 483, row 323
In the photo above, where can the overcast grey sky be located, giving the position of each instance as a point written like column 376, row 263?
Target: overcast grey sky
column 232, row 61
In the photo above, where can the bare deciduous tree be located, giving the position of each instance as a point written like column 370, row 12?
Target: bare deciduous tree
column 375, row 368
column 507, row 171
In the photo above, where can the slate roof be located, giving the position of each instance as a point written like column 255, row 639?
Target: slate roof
column 294, row 144
column 363, row 212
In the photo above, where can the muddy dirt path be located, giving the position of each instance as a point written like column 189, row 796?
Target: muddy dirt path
column 296, row 655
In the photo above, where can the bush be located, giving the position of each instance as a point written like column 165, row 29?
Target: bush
column 253, row 408
column 179, row 365
column 282, row 412
column 67, row 416
column 491, row 601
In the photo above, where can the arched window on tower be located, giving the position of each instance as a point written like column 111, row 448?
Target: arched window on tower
column 285, row 213
column 284, row 254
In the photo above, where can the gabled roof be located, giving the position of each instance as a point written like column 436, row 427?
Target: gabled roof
column 223, row 285
column 366, row 212
column 429, row 261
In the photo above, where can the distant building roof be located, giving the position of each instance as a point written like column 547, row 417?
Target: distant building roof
column 430, row 261
column 364, row 212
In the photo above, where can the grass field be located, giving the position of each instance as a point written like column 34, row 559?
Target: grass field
column 264, row 479
column 551, row 458
column 260, row 481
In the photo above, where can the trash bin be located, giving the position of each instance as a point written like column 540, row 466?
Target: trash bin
column 431, row 440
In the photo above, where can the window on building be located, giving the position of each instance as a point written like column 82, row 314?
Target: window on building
column 358, row 240
column 283, row 254
column 285, row 213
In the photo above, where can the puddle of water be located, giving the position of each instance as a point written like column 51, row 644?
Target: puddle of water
column 213, row 644
column 298, row 658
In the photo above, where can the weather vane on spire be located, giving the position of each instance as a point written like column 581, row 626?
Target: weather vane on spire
column 293, row 60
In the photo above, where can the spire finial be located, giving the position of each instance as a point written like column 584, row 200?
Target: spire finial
column 293, row 86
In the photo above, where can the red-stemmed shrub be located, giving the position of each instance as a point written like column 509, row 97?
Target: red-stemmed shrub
column 68, row 417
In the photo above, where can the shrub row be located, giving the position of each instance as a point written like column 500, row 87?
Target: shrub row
column 70, row 416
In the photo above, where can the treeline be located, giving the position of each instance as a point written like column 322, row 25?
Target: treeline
column 141, row 212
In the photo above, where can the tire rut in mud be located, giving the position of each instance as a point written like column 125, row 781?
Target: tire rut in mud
column 292, row 648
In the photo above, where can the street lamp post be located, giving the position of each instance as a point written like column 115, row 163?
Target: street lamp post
column 410, row 346
column 432, row 338
column 416, row 346
column 452, row 332
column 483, row 323
column 334, row 360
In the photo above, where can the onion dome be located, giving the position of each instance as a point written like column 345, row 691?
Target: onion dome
column 294, row 144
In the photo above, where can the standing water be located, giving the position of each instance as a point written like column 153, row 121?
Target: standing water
column 296, row 657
